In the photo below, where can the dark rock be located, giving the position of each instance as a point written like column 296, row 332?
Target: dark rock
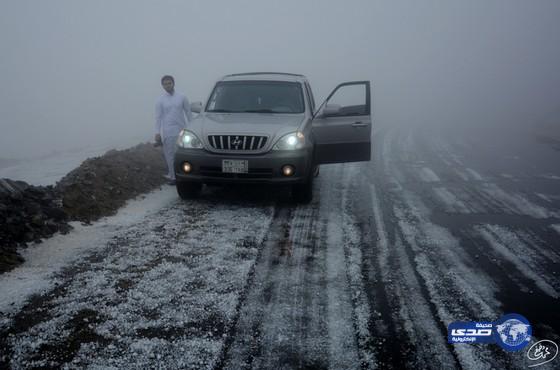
column 37, row 219
column 9, row 258
column 24, row 213
column 55, row 213
column 27, row 237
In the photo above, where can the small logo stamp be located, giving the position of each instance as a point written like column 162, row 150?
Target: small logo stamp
column 542, row 352
column 512, row 332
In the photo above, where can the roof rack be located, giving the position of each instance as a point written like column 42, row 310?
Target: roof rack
column 264, row 73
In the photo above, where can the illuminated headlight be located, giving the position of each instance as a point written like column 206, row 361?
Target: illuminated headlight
column 189, row 140
column 291, row 141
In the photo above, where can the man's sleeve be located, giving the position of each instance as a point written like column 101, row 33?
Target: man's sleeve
column 159, row 117
column 187, row 109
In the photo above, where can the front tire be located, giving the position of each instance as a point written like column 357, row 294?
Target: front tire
column 188, row 190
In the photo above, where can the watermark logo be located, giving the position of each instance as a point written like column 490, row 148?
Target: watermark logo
column 542, row 352
column 512, row 332
column 470, row 332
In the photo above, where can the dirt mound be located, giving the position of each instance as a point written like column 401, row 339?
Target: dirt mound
column 100, row 186
column 97, row 188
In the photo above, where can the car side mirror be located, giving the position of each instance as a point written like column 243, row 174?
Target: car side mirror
column 331, row 110
column 196, row 107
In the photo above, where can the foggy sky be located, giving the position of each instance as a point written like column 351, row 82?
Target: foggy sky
column 75, row 73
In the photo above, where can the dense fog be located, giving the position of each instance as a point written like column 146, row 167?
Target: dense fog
column 78, row 73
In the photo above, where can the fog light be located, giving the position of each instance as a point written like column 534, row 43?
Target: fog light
column 288, row 170
column 187, row 168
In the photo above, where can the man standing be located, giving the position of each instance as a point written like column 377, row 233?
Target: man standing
column 171, row 109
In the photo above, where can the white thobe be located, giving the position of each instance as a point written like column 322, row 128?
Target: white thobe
column 170, row 120
column 170, row 114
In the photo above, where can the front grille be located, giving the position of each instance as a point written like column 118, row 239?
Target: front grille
column 237, row 142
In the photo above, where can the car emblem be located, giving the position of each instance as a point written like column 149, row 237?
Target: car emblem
column 236, row 142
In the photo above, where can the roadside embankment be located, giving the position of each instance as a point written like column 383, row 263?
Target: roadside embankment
column 97, row 188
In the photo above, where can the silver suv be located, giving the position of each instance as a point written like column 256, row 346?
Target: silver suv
column 265, row 128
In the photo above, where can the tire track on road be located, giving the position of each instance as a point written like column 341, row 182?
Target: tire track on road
column 425, row 293
column 299, row 312
column 281, row 323
column 402, row 312
column 509, row 237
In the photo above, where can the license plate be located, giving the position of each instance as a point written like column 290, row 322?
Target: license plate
column 235, row 166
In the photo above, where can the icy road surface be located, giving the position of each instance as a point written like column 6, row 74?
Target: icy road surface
column 438, row 227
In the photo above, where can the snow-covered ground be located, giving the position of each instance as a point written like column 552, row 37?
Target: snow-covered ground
column 367, row 276
column 43, row 261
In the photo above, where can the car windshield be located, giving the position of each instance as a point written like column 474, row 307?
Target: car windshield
column 256, row 97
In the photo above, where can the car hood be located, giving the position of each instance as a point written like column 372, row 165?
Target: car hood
column 272, row 125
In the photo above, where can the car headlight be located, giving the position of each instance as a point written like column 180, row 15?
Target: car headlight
column 189, row 140
column 291, row 141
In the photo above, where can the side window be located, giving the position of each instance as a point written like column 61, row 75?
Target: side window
column 350, row 99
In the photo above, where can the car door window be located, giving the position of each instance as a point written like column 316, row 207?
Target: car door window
column 351, row 99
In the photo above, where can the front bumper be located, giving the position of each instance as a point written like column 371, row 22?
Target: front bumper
column 263, row 168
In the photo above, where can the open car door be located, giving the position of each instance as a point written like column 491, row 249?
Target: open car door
column 342, row 126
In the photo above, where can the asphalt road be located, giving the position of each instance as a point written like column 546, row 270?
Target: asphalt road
column 440, row 226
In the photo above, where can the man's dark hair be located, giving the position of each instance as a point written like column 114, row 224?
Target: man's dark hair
column 167, row 77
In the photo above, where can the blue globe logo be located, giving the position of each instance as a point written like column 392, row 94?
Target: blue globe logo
column 512, row 332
